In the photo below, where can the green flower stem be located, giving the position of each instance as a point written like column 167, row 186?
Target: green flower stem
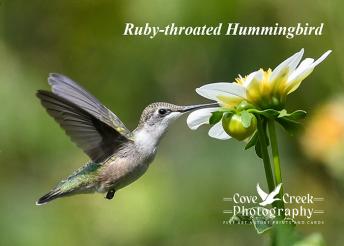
column 275, row 152
column 276, row 160
column 265, row 154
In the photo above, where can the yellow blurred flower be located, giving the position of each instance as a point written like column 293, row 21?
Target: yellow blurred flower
column 323, row 139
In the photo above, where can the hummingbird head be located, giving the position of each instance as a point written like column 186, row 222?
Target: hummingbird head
column 156, row 118
column 162, row 114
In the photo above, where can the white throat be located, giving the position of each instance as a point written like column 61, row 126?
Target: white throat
column 147, row 139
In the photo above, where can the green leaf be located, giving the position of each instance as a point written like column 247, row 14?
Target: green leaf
column 239, row 218
column 253, row 140
column 215, row 117
column 283, row 113
column 246, row 119
column 261, row 223
column 297, row 115
column 265, row 126
column 243, row 105
column 290, row 126
column 290, row 121
column 258, row 149
column 226, row 110
column 268, row 113
column 273, row 114
column 257, row 146
column 263, row 220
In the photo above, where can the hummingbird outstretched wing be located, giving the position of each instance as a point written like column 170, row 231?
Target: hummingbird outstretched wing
column 71, row 91
column 93, row 127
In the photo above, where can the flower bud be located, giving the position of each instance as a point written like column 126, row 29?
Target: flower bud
column 234, row 126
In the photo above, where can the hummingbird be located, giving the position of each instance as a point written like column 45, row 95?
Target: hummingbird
column 117, row 155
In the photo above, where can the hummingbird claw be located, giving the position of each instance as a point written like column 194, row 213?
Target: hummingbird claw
column 110, row 194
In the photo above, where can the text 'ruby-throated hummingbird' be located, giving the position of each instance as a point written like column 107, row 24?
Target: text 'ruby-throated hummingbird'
column 118, row 156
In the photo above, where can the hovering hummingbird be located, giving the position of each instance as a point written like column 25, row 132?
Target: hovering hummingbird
column 118, row 156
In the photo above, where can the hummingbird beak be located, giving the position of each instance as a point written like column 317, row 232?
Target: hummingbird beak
column 184, row 109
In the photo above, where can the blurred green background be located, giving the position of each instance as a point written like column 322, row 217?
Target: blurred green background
column 179, row 200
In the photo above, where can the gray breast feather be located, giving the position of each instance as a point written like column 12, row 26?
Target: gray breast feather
column 119, row 172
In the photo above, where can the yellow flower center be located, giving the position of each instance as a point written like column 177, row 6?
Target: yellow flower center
column 264, row 92
column 240, row 80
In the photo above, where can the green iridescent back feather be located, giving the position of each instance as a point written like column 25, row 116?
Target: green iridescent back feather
column 81, row 177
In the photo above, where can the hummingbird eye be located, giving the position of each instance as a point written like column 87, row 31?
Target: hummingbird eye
column 162, row 111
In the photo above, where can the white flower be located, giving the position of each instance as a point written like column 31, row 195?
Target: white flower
column 264, row 89
column 201, row 117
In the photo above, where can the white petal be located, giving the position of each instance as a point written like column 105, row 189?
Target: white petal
column 217, row 132
column 287, row 66
column 306, row 64
column 254, row 84
column 321, row 58
column 249, row 78
column 295, row 83
column 306, row 67
column 258, row 77
column 296, row 60
column 214, row 90
column 199, row 117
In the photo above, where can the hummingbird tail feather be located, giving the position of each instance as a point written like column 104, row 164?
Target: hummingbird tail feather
column 80, row 182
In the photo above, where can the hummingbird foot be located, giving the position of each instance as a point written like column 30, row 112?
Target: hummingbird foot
column 110, row 194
